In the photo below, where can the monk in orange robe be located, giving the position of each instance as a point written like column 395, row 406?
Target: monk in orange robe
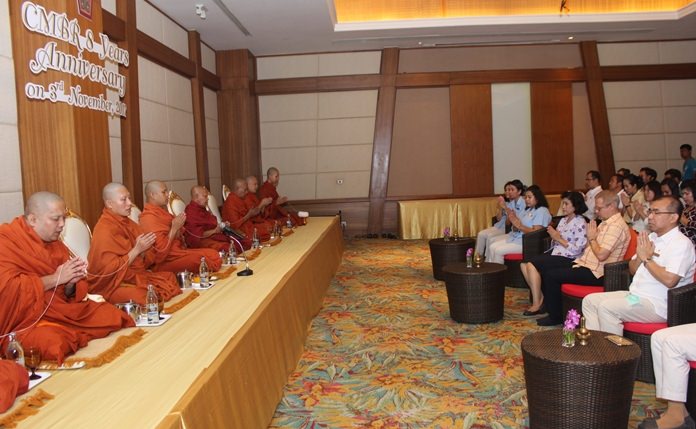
column 14, row 381
column 239, row 217
column 275, row 210
column 171, row 253
column 37, row 274
column 121, row 254
column 251, row 201
column 201, row 228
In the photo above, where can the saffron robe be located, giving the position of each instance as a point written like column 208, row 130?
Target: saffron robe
column 233, row 211
column 251, row 201
column 69, row 323
column 172, row 255
column 114, row 236
column 14, row 380
column 273, row 210
column 198, row 221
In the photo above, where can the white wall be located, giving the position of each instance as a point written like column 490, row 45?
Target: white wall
column 334, row 64
column 512, row 134
column 213, row 143
column 11, row 201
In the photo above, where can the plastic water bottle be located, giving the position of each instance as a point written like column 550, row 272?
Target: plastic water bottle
column 288, row 222
column 152, row 305
column 255, row 240
column 14, row 350
column 203, row 273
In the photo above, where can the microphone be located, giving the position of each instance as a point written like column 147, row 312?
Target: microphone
column 246, row 271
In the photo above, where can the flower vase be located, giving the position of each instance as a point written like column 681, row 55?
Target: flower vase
column 568, row 338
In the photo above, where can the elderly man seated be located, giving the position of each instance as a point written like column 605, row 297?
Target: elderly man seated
column 201, row 226
column 240, row 217
column 43, row 295
column 663, row 260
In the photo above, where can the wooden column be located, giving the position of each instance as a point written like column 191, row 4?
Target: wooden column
column 471, row 124
column 240, row 151
column 384, row 123
column 552, row 136
column 131, row 153
column 63, row 149
column 198, row 101
column 598, row 108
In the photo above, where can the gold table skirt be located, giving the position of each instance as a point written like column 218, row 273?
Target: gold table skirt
column 424, row 219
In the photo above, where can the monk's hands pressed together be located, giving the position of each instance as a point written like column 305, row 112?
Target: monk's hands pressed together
column 144, row 242
column 281, row 200
column 265, row 202
column 177, row 223
column 253, row 212
column 71, row 271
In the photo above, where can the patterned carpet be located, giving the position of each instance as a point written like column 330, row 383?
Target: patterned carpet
column 383, row 353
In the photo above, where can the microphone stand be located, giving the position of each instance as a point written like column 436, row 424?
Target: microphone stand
column 246, row 271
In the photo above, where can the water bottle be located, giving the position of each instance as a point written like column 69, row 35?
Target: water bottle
column 288, row 222
column 255, row 240
column 152, row 305
column 14, row 350
column 203, row 273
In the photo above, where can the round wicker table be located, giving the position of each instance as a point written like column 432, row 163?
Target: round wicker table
column 475, row 295
column 445, row 252
column 582, row 387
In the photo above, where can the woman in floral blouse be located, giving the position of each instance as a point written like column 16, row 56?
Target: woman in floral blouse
column 688, row 219
column 569, row 241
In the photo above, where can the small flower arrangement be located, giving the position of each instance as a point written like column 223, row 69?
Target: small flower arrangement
column 571, row 323
column 446, row 233
column 469, row 257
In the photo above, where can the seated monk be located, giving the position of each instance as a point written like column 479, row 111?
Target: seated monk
column 171, row 253
column 201, row 228
column 14, row 381
column 251, row 201
column 275, row 209
column 121, row 254
column 239, row 217
column 37, row 274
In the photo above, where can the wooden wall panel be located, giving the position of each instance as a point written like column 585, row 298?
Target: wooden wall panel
column 471, row 123
column 202, row 172
column 552, row 136
column 63, row 149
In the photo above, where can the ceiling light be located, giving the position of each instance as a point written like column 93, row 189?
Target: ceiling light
column 571, row 37
column 200, row 11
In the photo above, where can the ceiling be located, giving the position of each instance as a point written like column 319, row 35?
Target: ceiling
column 301, row 26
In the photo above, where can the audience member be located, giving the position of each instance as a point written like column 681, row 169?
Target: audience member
column 43, row 293
column 201, row 227
column 652, row 191
column 535, row 216
column 616, row 186
column 569, row 241
column 670, row 187
column 647, row 174
column 607, row 243
column 687, row 223
column 623, row 171
column 664, row 260
column 171, row 252
column 689, row 166
column 673, row 174
column 593, row 183
column 122, row 254
column 513, row 201
column 633, row 185
column 672, row 349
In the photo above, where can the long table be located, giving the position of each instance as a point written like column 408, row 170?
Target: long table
column 421, row 219
column 221, row 361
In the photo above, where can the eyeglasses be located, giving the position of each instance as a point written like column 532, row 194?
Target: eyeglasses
column 657, row 212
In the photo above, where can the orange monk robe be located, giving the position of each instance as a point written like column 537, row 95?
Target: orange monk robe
column 14, row 380
column 172, row 255
column 68, row 324
column 234, row 210
column 251, row 201
column 111, row 276
column 273, row 210
column 198, row 221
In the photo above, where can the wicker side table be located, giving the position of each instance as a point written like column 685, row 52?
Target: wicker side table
column 580, row 387
column 445, row 252
column 475, row 295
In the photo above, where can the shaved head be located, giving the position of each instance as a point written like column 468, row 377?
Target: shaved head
column 273, row 176
column 240, row 187
column 199, row 195
column 153, row 186
column 272, row 171
column 111, row 190
column 45, row 214
column 252, row 184
column 39, row 203
column 117, row 199
column 156, row 193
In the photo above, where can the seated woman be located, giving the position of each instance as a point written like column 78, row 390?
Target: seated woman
column 687, row 223
column 633, row 186
column 512, row 202
column 652, row 191
column 670, row 187
column 535, row 216
column 569, row 241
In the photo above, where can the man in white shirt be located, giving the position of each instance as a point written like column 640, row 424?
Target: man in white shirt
column 663, row 260
column 593, row 182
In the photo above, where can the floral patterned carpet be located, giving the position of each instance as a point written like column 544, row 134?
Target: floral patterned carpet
column 384, row 353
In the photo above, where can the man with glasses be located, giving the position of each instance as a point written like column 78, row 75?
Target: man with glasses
column 606, row 243
column 664, row 259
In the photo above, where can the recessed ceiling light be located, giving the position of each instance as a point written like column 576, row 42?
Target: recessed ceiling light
column 571, row 37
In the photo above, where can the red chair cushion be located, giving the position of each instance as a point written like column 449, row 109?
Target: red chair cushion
column 692, row 364
column 643, row 328
column 631, row 249
column 514, row 257
column 580, row 291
